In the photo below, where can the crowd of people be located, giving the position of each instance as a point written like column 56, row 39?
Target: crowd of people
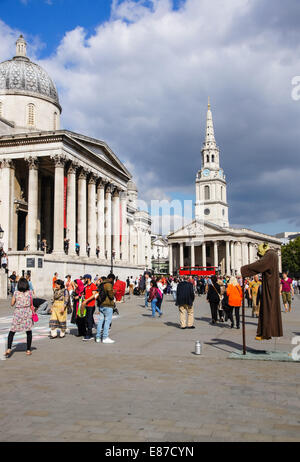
column 91, row 302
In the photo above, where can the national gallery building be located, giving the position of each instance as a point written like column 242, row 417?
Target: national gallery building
column 67, row 203
column 210, row 240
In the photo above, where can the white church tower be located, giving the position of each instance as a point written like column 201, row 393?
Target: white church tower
column 211, row 186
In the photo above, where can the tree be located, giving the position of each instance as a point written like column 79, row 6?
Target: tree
column 291, row 257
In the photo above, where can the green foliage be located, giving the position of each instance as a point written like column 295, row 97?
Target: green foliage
column 291, row 257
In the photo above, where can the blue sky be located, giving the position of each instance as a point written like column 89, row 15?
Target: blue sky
column 51, row 19
column 140, row 76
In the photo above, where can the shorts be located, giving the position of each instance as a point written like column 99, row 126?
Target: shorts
column 287, row 297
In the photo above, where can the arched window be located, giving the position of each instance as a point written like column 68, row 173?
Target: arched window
column 207, row 158
column 55, row 121
column 212, row 158
column 31, row 115
column 206, row 193
column 221, row 193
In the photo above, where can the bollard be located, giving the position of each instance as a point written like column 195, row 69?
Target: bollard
column 2, row 348
column 198, row 348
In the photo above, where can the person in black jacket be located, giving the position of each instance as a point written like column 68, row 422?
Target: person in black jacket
column 214, row 298
column 185, row 300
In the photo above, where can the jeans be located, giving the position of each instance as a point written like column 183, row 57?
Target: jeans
column 155, row 307
column 174, row 293
column 146, row 298
column 44, row 308
column 106, row 314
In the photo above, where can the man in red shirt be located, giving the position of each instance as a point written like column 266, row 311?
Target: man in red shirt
column 90, row 291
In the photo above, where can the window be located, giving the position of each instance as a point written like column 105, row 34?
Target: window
column 221, row 193
column 206, row 193
column 31, row 115
column 212, row 158
column 207, row 158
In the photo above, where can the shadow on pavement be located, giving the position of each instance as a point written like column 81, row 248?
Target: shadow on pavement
column 172, row 324
column 237, row 346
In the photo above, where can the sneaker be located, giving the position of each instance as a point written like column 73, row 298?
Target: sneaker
column 192, row 327
column 108, row 340
column 87, row 338
column 98, row 340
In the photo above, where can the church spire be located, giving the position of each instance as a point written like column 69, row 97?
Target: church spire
column 210, row 133
column 21, row 47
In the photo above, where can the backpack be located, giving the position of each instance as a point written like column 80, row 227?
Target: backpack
column 158, row 294
column 102, row 295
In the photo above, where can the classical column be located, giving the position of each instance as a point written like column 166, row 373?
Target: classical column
column 108, row 229
column 124, row 243
column 216, row 254
column 193, row 254
column 71, row 209
column 92, row 217
column 33, row 191
column 171, row 259
column 5, row 197
column 101, row 219
column 13, row 237
column 81, row 219
column 204, row 254
column 116, row 223
column 244, row 253
column 232, row 257
column 181, row 259
column 58, row 228
column 228, row 272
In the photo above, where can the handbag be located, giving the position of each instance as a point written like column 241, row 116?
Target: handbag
column 220, row 307
column 34, row 315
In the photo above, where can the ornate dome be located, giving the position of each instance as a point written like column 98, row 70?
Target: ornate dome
column 21, row 76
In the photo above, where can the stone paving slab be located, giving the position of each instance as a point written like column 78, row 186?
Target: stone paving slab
column 149, row 386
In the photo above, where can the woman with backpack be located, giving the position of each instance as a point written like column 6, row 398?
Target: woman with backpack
column 155, row 298
column 235, row 297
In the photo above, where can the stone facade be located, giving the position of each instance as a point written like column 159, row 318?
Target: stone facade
column 57, row 185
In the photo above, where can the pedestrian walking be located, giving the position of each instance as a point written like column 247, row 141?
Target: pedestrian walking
column 22, row 318
column 78, row 316
column 185, row 300
column 214, row 298
column 61, row 301
column 154, row 298
column 286, row 290
column 106, row 303
column 89, row 304
column 235, row 296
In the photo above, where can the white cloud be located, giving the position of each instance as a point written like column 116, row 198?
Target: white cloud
column 141, row 81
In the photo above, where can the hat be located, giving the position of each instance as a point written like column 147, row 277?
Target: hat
column 87, row 276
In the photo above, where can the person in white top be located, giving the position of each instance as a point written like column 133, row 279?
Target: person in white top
column 147, row 289
column 174, row 285
column 161, row 287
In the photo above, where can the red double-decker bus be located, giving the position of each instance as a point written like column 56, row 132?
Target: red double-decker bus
column 198, row 270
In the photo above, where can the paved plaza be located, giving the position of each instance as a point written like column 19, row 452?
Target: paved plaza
column 149, row 386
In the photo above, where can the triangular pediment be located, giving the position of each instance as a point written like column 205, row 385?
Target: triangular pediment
column 101, row 150
column 198, row 229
